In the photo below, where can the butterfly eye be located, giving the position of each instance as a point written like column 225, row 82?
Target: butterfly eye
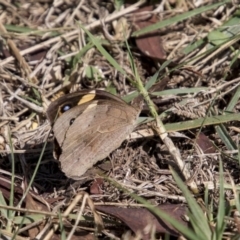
column 65, row 108
column 72, row 120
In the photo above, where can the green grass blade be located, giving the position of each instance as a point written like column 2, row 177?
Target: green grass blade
column 78, row 57
column 225, row 137
column 3, row 211
column 186, row 231
column 220, row 226
column 173, row 127
column 152, row 80
column 233, row 101
column 180, row 91
column 177, row 18
column 197, row 217
column 224, row 33
column 97, row 43
column 28, row 219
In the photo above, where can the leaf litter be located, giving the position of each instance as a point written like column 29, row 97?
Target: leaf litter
column 46, row 54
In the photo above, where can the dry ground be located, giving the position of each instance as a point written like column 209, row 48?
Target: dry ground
column 46, row 53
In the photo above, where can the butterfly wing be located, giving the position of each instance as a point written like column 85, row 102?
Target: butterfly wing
column 77, row 99
column 90, row 131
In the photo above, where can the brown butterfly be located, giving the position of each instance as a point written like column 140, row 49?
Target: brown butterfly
column 88, row 126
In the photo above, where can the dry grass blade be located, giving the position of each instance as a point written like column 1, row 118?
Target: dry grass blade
column 23, row 64
column 30, row 105
column 84, row 197
column 190, row 122
column 162, row 133
column 76, row 32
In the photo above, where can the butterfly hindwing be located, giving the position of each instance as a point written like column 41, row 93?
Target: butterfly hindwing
column 89, row 131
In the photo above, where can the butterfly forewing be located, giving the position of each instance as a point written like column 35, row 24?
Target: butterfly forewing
column 76, row 99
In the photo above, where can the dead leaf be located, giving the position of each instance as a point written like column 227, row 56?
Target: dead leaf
column 205, row 144
column 149, row 44
column 5, row 188
column 34, row 205
column 138, row 219
column 96, row 187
